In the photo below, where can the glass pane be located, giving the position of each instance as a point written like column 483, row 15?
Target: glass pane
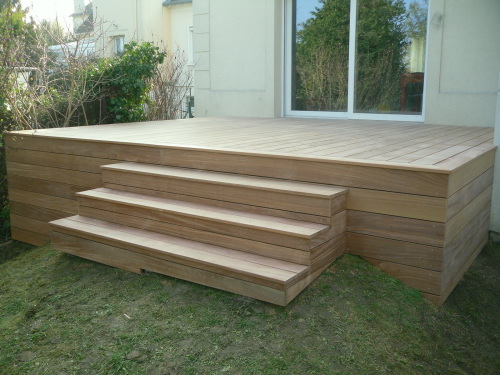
column 390, row 56
column 320, row 54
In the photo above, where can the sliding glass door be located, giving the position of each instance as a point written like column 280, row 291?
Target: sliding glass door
column 356, row 58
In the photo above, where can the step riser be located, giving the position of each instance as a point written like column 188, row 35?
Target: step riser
column 338, row 204
column 135, row 262
column 242, row 244
column 205, row 224
column 236, row 194
column 163, row 256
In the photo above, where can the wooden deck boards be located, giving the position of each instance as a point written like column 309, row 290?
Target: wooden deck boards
column 417, row 207
column 413, row 144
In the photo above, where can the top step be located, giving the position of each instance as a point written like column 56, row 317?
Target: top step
column 293, row 196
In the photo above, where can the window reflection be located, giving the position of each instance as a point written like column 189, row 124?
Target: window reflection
column 388, row 63
column 321, row 55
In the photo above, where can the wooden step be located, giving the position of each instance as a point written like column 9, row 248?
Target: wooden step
column 308, row 198
column 274, row 230
column 135, row 250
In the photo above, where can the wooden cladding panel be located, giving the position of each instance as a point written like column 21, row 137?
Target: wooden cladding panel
column 130, row 261
column 57, row 189
column 471, row 169
column 65, row 176
column 422, row 279
column 397, row 204
column 51, row 159
column 468, row 193
column 460, row 220
column 256, row 247
column 339, row 204
column 348, row 175
column 385, row 249
column 396, row 228
column 237, row 194
column 96, row 149
column 50, row 202
column 28, row 236
column 35, row 212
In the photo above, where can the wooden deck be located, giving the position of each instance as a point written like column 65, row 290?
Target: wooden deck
column 412, row 199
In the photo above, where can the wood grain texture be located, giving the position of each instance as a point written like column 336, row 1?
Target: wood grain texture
column 52, row 159
column 235, row 224
column 29, row 224
column 44, row 201
column 273, row 273
column 35, row 212
column 97, row 149
column 469, row 192
column 57, row 189
column 338, row 204
column 427, row 281
column 276, row 194
column 397, row 204
column 384, row 249
column 237, row 243
column 27, row 236
column 396, row 228
column 471, row 169
column 461, row 219
column 464, row 244
column 110, row 255
column 324, row 172
column 65, row 176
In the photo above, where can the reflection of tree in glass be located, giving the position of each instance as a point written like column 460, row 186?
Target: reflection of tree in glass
column 322, row 56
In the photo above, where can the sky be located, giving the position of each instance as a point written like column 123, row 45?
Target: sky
column 50, row 9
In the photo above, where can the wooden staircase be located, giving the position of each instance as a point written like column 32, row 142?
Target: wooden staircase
column 259, row 237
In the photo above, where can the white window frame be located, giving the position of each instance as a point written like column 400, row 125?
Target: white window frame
column 350, row 114
column 115, row 38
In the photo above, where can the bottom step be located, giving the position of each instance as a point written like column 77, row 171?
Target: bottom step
column 255, row 276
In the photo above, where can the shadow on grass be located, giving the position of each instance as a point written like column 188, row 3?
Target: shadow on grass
column 11, row 249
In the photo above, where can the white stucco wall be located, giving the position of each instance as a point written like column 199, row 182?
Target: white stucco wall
column 463, row 62
column 142, row 20
column 238, row 57
column 495, row 204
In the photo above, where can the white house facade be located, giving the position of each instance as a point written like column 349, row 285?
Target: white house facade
column 245, row 65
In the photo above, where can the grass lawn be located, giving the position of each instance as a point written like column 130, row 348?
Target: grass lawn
column 65, row 315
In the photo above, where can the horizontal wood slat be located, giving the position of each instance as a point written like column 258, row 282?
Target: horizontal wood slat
column 396, row 228
column 409, row 253
column 52, row 159
column 44, row 201
column 338, row 204
column 65, row 176
column 57, row 189
column 279, row 194
column 121, row 258
column 422, row 279
column 219, row 239
column 215, row 259
column 413, row 182
column 23, row 235
column 468, row 193
column 397, row 204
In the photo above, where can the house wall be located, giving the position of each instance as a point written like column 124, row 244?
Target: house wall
column 238, row 57
column 238, row 71
column 112, row 23
column 463, row 71
column 463, row 62
column 146, row 20
column 495, row 202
